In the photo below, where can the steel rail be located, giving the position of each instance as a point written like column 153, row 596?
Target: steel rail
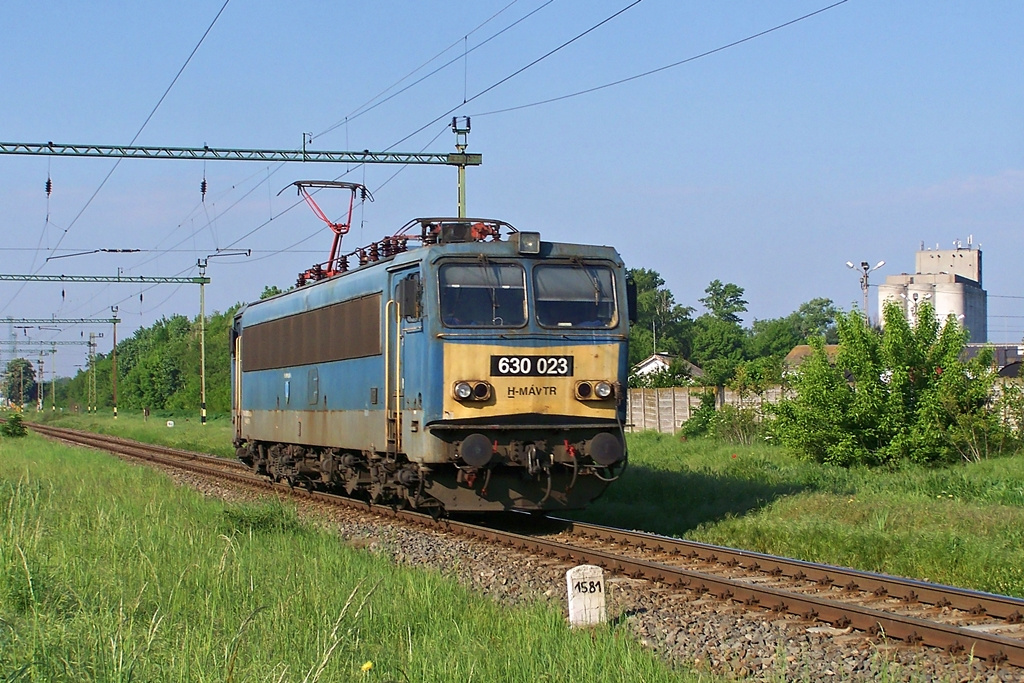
column 954, row 639
column 992, row 647
column 996, row 606
column 106, row 441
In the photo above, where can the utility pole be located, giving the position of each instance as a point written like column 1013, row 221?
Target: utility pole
column 202, row 344
column 113, row 309
column 202, row 264
column 461, row 130
column 91, row 407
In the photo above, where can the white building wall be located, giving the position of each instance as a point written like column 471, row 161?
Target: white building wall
column 963, row 262
column 891, row 291
column 964, row 300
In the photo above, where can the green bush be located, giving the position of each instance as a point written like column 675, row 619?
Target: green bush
column 13, row 427
column 905, row 395
column 734, row 425
column 741, row 426
column 700, row 420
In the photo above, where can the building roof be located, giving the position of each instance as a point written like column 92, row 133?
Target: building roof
column 661, row 361
column 802, row 352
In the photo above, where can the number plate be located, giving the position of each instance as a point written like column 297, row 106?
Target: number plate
column 531, row 366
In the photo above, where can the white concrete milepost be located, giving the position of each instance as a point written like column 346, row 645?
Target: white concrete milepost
column 586, row 588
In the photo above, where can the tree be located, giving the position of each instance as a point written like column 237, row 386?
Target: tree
column 904, row 394
column 774, row 337
column 816, row 318
column 717, row 348
column 269, row 291
column 724, row 301
column 756, row 376
column 659, row 319
column 20, row 381
column 777, row 336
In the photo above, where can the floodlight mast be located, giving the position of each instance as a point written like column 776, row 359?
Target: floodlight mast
column 865, row 268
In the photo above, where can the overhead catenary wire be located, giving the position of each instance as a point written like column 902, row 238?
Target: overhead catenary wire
column 520, row 70
column 373, row 102
column 319, row 231
column 466, row 100
column 88, row 202
column 214, row 214
column 146, row 122
column 363, row 108
column 673, row 65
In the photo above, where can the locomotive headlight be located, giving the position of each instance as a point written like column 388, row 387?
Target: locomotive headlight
column 529, row 242
column 594, row 390
column 472, row 390
column 482, row 391
column 463, row 390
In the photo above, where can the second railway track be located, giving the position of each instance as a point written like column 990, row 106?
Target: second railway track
column 981, row 625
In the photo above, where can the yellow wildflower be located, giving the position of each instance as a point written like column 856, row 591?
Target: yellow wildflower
column 367, row 666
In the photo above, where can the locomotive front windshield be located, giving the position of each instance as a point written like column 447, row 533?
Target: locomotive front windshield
column 483, row 295
column 574, row 295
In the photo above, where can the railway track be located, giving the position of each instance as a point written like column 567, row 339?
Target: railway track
column 983, row 625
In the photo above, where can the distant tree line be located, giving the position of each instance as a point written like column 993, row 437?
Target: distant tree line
column 716, row 340
column 158, row 367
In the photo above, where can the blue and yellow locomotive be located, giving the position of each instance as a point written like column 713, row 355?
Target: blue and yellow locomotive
column 461, row 365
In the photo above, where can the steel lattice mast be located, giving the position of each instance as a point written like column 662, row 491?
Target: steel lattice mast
column 61, row 321
column 127, row 279
column 224, row 154
column 460, row 158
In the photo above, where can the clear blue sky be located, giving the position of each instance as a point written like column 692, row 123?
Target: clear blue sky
column 856, row 134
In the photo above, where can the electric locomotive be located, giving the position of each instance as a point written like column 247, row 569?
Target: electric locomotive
column 459, row 365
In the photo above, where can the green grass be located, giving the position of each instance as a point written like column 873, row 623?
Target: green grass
column 961, row 525
column 109, row 572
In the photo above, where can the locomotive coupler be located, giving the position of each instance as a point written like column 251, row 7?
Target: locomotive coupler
column 537, row 461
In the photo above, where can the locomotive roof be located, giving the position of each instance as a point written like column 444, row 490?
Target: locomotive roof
column 368, row 278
